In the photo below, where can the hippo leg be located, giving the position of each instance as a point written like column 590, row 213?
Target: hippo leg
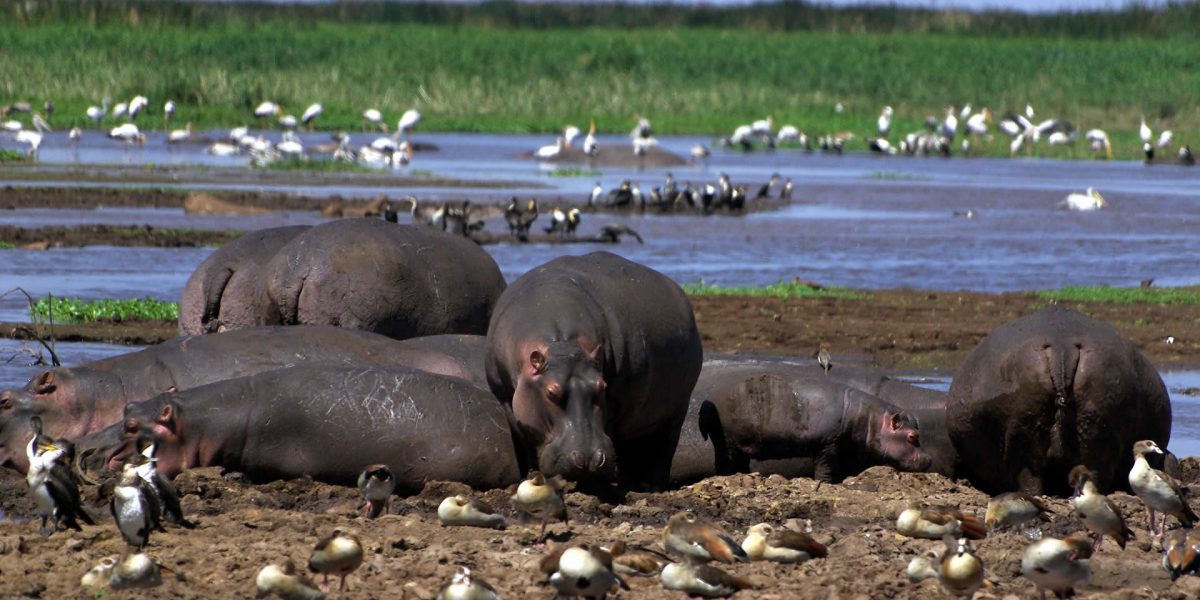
column 650, row 469
column 826, row 464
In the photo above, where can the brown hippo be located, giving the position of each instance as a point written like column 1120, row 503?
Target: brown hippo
column 596, row 357
column 1049, row 391
column 469, row 351
column 78, row 400
column 793, row 423
column 398, row 280
column 327, row 421
column 225, row 291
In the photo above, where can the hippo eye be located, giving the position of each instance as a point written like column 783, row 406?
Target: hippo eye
column 553, row 390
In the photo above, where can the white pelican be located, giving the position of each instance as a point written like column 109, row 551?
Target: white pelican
column 1059, row 138
column 372, row 157
column 763, row 127
column 287, row 121
column 788, row 133
column 570, row 132
column 552, row 151
column 12, row 126
column 1099, row 141
column 168, row 111
column 222, row 149
column 1164, row 139
column 120, row 110
column 290, row 145
column 237, row 133
column 40, row 124
column 128, row 133
column 33, row 138
column 642, row 144
column 96, row 113
column 589, row 141
column 310, row 115
column 1145, row 133
column 180, row 135
column 408, row 122
column 642, row 127
column 884, row 123
column 385, row 144
column 372, row 115
column 1091, row 200
column 136, row 105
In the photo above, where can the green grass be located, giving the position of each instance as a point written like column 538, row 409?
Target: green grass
column 7, row 245
column 574, row 172
column 321, row 166
column 782, row 289
column 75, row 310
column 510, row 68
column 7, row 156
column 1118, row 295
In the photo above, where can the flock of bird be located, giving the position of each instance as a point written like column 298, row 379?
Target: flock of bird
column 706, row 198
column 142, row 499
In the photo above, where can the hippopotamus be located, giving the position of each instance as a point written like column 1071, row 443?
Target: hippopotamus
column 225, row 291
column 772, row 419
column 78, row 400
column 596, row 357
column 401, row 281
column 1048, row 391
column 328, row 421
column 469, row 351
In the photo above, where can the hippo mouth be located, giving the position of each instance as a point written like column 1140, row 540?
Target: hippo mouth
column 120, row 453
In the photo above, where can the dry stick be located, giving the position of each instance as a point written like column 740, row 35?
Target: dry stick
column 36, row 334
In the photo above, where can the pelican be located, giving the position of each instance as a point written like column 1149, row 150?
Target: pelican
column 237, row 133
column 788, row 133
column 372, row 115
column 408, row 122
column 1164, row 139
column 136, row 105
column 310, row 115
column 589, row 141
column 168, row 112
column 884, row 123
column 552, row 151
column 128, row 133
column 643, row 144
column 40, row 124
column 12, row 126
column 1099, row 141
column 290, row 145
column 1059, row 138
column 570, row 132
column 180, row 135
column 763, row 127
column 222, row 149
column 1091, row 200
column 33, row 138
column 96, row 113
column 288, row 121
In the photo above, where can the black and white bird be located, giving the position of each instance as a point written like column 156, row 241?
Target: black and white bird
column 135, row 508
column 310, row 115
column 54, row 487
column 376, row 484
column 146, row 465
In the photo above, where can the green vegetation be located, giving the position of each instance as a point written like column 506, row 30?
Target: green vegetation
column 512, row 67
column 782, row 289
column 7, row 156
column 1118, row 295
column 574, row 172
column 321, row 166
column 7, row 245
column 75, row 310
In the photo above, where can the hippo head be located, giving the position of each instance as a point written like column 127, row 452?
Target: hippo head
column 898, row 441
column 158, row 420
column 560, row 405
column 16, row 408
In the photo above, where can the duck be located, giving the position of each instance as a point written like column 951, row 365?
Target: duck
column 1157, row 490
column 960, row 570
column 580, row 570
column 1099, row 514
column 764, row 542
column 135, row 571
column 1056, row 564
column 538, row 496
column 470, row 512
column 700, row 542
column 340, row 553
column 1087, row 201
column 933, row 522
column 1181, row 552
column 637, row 561
column 284, row 581
column 702, row 580
column 464, row 586
column 1013, row 509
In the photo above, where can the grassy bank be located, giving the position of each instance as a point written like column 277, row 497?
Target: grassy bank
column 1118, row 295
column 782, row 289
column 688, row 80
column 75, row 310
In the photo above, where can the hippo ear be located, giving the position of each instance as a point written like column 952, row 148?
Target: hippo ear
column 166, row 418
column 537, row 361
column 44, row 382
column 596, row 353
column 897, row 421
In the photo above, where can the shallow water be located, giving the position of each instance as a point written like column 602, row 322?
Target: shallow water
column 17, row 359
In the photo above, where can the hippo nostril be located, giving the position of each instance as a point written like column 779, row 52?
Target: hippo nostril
column 576, row 460
column 598, row 460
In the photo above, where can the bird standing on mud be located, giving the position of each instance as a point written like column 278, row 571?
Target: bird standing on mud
column 1099, row 514
column 135, row 508
column 376, row 484
column 541, row 499
column 54, row 487
column 1058, row 565
column 1157, row 490
column 338, row 553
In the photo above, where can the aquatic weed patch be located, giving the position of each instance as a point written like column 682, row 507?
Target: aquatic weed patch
column 76, row 310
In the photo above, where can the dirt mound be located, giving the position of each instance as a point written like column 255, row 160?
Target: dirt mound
column 199, row 203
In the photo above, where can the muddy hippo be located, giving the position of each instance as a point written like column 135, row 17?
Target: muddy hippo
column 469, row 351
column 78, row 400
column 225, row 291
column 814, row 425
column 327, row 422
column 397, row 280
column 596, row 357
column 1049, row 391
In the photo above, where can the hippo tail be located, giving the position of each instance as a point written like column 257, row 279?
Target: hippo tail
column 1061, row 364
column 213, row 289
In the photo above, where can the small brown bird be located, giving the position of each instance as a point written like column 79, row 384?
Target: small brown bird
column 338, row 553
column 1098, row 513
column 638, row 561
column 823, row 357
column 580, row 570
column 933, row 522
column 540, row 498
column 464, row 586
column 1057, row 565
column 135, row 571
column 376, row 484
column 1013, row 509
column 1157, row 490
column 702, row 580
column 1181, row 552
column 960, row 570
column 700, row 542
column 469, row 512
column 285, row 582
column 764, row 542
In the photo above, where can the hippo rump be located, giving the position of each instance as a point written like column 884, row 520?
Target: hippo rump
column 928, row 406
column 468, row 351
column 78, row 400
column 596, row 357
column 397, row 280
column 225, row 291
column 771, row 419
column 328, row 422
column 1049, row 391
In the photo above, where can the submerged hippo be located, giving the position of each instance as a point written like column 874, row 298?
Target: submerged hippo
column 1049, row 391
column 596, row 357
column 77, row 400
column 815, row 425
column 225, row 291
column 328, row 422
